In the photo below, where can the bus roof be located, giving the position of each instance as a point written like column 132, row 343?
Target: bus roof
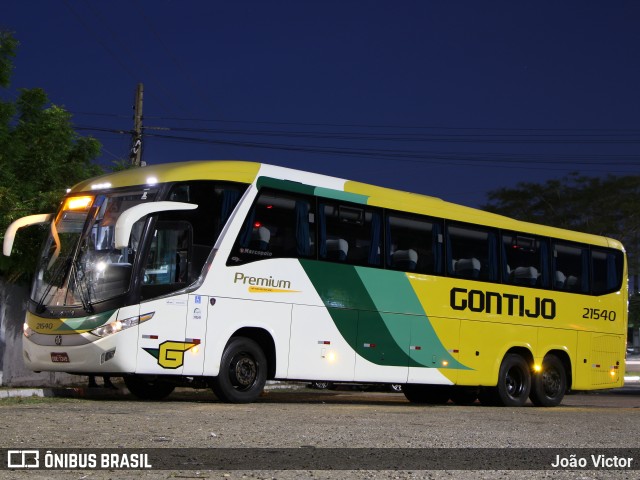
column 249, row 172
column 234, row 171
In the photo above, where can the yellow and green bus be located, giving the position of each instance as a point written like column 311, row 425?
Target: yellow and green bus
column 226, row 274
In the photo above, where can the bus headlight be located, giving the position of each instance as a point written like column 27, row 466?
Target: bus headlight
column 26, row 329
column 119, row 325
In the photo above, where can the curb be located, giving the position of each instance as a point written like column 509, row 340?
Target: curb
column 23, row 392
column 60, row 392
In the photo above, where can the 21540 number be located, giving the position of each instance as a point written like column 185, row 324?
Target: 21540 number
column 598, row 314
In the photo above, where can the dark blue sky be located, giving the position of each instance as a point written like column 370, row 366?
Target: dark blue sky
column 450, row 99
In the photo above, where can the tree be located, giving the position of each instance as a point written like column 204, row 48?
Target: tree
column 607, row 206
column 41, row 156
column 8, row 46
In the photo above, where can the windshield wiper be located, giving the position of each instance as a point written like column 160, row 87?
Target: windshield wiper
column 79, row 280
column 58, row 276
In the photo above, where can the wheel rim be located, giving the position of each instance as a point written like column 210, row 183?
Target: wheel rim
column 551, row 382
column 514, row 382
column 244, row 371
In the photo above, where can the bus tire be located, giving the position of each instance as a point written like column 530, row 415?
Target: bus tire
column 243, row 372
column 514, row 381
column 148, row 388
column 550, row 384
column 426, row 394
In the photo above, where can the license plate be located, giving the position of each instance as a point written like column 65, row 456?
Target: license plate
column 60, row 357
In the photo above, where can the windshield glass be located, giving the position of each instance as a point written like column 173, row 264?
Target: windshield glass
column 79, row 264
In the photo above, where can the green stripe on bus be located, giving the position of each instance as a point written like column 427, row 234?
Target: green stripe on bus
column 343, row 196
column 392, row 292
column 297, row 187
column 349, row 303
column 286, row 185
column 379, row 330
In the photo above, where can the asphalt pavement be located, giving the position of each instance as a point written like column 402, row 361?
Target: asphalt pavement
column 632, row 380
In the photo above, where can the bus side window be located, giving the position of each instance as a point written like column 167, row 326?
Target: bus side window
column 571, row 267
column 279, row 225
column 414, row 243
column 606, row 267
column 525, row 260
column 216, row 201
column 349, row 233
column 168, row 260
column 472, row 252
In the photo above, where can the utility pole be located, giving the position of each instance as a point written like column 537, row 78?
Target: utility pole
column 136, row 142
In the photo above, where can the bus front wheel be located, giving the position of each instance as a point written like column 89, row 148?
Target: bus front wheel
column 243, row 372
column 549, row 385
column 148, row 388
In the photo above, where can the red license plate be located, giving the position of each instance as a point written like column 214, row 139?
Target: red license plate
column 60, row 357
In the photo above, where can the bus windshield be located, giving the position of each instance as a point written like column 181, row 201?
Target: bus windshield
column 79, row 265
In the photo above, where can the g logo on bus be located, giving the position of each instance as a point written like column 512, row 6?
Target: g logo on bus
column 58, row 340
column 170, row 353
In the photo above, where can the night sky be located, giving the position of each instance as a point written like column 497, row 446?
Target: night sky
column 450, row 99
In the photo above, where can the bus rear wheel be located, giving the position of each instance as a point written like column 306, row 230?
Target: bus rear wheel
column 514, row 381
column 243, row 372
column 549, row 385
column 428, row 394
column 148, row 388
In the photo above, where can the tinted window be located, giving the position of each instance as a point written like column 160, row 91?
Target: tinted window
column 349, row 233
column 414, row 244
column 571, row 267
column 472, row 252
column 526, row 260
column 167, row 266
column 216, row 201
column 606, row 270
column 279, row 225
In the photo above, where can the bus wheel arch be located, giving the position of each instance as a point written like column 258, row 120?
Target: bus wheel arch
column 549, row 386
column 264, row 339
column 563, row 356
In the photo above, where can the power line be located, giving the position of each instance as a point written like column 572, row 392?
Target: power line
column 421, row 156
column 405, row 154
column 427, row 138
column 391, row 126
column 488, row 131
column 400, row 143
column 584, row 138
